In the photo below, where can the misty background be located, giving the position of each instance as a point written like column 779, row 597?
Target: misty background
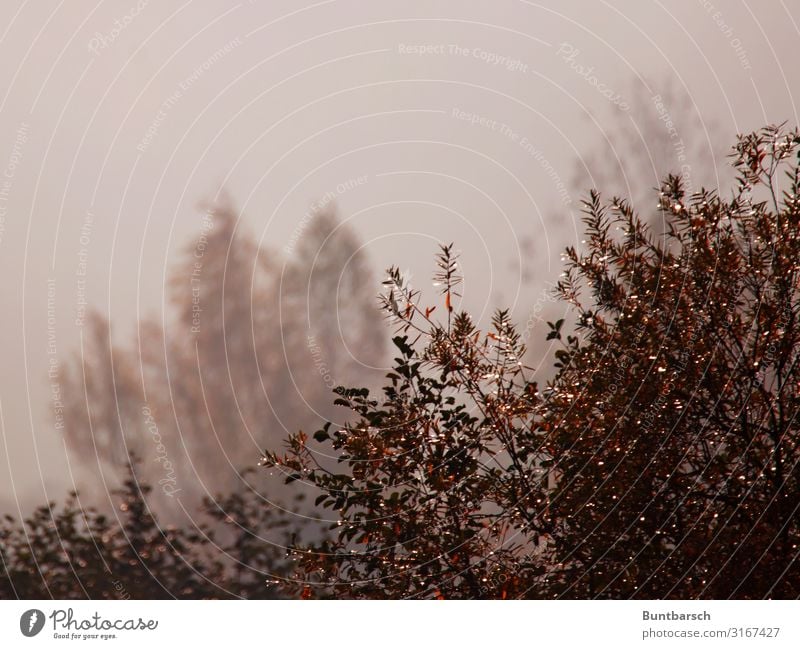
column 481, row 123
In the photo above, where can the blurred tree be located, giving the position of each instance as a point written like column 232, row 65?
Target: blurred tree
column 329, row 288
column 74, row 551
column 662, row 132
column 661, row 461
column 199, row 396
